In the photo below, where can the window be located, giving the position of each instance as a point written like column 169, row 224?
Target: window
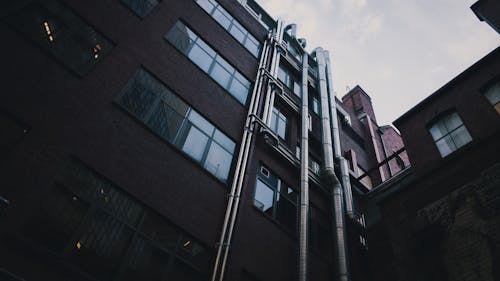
column 449, row 133
column 293, row 51
column 141, row 7
column 314, row 166
column 191, row 45
column 291, row 81
column 493, row 96
column 55, row 28
column 90, row 222
column 279, row 123
column 230, row 24
column 314, row 106
column 276, row 199
column 176, row 122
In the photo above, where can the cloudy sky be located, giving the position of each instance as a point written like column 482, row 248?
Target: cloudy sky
column 398, row 51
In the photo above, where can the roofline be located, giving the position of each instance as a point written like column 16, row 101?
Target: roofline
column 352, row 91
column 474, row 8
column 448, row 85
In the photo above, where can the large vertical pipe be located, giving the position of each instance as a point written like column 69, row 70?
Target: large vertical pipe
column 329, row 172
column 241, row 162
column 304, row 174
column 269, row 102
column 344, row 167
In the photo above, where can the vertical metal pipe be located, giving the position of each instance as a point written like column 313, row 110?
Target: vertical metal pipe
column 274, row 66
column 329, row 172
column 269, row 102
column 304, row 174
column 344, row 167
column 242, row 155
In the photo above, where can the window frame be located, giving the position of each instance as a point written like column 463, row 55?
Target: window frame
column 277, row 196
column 247, row 35
column 82, row 184
column 236, row 77
column 490, row 88
column 186, row 125
column 440, row 121
column 69, row 57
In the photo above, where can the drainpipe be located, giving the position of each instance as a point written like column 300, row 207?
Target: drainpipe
column 329, row 175
column 344, row 167
column 234, row 195
column 304, row 174
column 269, row 102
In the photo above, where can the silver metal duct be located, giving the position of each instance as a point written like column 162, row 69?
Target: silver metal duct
column 232, row 205
column 329, row 170
column 344, row 167
column 269, row 102
column 304, row 174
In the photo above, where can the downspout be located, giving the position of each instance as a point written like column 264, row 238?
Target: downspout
column 344, row 167
column 329, row 175
column 234, row 195
column 304, row 174
column 269, row 102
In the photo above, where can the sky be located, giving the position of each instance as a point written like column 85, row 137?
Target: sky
column 398, row 51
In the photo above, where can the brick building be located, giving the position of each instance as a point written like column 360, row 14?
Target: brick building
column 180, row 140
column 439, row 220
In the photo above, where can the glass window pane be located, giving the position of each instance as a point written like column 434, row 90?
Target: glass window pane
column 237, row 32
column 282, row 127
column 283, row 75
column 264, row 197
column 493, row 94
column 165, row 122
column 206, row 5
column 218, row 161
column 201, row 122
column 141, row 7
column 438, row 130
column 239, row 91
column 221, row 75
column 461, row 136
column 195, row 144
column 53, row 226
column 223, row 140
column 101, row 246
column 445, row 146
column 181, row 37
column 200, row 57
column 274, row 120
column 252, row 47
column 296, row 89
column 452, row 121
column 222, row 18
column 138, row 99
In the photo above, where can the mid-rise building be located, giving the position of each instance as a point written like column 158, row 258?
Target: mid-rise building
column 180, row 140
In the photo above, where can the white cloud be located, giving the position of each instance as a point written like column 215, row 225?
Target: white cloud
column 398, row 51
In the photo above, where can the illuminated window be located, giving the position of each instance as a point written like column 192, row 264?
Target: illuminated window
column 493, row 96
column 57, row 29
column 221, row 16
column 191, row 45
column 91, row 223
column 176, row 122
column 276, row 199
column 141, row 7
column 449, row 133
